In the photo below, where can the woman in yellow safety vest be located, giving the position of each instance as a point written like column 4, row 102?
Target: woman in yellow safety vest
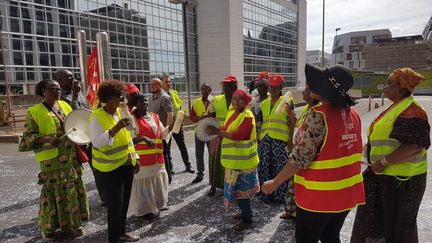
column 276, row 134
column 114, row 156
column 239, row 157
column 62, row 193
column 326, row 158
column 397, row 142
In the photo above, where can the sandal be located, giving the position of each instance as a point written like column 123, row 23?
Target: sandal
column 286, row 215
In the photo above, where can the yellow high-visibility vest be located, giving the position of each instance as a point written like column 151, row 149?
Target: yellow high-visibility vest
column 47, row 126
column 275, row 125
column 175, row 98
column 240, row 154
column 220, row 106
column 109, row 158
column 382, row 144
column 199, row 107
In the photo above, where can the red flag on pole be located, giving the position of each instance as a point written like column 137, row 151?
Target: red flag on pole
column 92, row 78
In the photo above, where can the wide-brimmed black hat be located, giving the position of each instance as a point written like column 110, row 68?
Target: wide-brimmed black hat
column 331, row 83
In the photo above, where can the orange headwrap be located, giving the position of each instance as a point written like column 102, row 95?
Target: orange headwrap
column 407, row 78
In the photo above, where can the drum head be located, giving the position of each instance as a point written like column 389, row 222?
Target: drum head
column 202, row 126
column 78, row 119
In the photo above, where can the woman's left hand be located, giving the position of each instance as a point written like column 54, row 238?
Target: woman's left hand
column 211, row 130
column 137, row 167
column 269, row 187
column 377, row 167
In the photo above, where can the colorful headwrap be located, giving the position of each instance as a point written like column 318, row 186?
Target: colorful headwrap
column 407, row 78
column 247, row 97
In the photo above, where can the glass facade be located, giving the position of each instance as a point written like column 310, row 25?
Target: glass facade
column 145, row 36
column 270, row 33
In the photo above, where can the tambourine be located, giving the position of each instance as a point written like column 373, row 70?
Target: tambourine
column 201, row 128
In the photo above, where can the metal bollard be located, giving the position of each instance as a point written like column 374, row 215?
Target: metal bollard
column 382, row 99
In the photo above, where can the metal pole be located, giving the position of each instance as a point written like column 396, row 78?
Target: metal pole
column 7, row 86
column 323, row 22
column 335, row 40
column 82, row 49
column 104, row 58
column 185, row 40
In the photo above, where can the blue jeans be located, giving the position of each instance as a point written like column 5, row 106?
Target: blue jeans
column 246, row 210
column 199, row 155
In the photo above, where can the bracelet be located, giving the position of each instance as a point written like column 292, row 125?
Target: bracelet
column 384, row 162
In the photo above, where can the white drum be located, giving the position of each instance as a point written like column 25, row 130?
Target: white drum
column 201, row 128
column 77, row 126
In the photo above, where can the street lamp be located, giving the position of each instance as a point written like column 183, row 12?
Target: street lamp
column 335, row 45
column 185, row 3
column 322, row 54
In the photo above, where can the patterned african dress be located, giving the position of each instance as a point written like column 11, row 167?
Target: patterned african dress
column 273, row 158
column 63, row 201
column 216, row 170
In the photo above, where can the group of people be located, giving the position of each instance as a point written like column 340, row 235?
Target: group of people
column 316, row 171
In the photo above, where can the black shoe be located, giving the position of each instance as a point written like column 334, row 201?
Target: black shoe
column 151, row 216
column 212, row 192
column 190, row 170
column 197, row 179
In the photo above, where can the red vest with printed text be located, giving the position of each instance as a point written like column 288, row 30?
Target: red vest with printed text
column 333, row 181
column 149, row 155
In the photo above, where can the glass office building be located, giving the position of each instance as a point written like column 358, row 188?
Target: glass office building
column 146, row 39
column 270, row 32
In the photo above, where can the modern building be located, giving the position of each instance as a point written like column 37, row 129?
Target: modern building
column 315, row 57
column 240, row 37
column 349, row 48
column 427, row 32
column 406, row 51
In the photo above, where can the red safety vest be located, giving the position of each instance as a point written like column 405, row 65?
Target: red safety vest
column 333, row 182
column 149, row 155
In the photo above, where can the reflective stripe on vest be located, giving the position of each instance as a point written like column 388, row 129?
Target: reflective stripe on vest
column 275, row 125
column 382, row 144
column 333, row 181
column 220, row 106
column 47, row 126
column 240, row 154
column 109, row 158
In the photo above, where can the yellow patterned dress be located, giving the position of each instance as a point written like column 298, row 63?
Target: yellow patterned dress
column 63, row 201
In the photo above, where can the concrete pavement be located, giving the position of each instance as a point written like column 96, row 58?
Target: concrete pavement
column 192, row 216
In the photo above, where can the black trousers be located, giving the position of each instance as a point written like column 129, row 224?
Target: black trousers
column 167, row 158
column 97, row 176
column 119, row 185
column 179, row 138
column 312, row 227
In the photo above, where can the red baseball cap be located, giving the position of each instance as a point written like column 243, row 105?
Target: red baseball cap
column 229, row 79
column 130, row 88
column 262, row 75
column 276, row 80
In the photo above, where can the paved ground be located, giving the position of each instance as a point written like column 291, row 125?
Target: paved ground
column 192, row 216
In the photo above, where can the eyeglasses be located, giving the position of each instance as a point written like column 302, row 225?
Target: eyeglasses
column 122, row 96
column 54, row 90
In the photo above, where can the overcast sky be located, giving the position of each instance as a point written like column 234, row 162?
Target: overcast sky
column 402, row 17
